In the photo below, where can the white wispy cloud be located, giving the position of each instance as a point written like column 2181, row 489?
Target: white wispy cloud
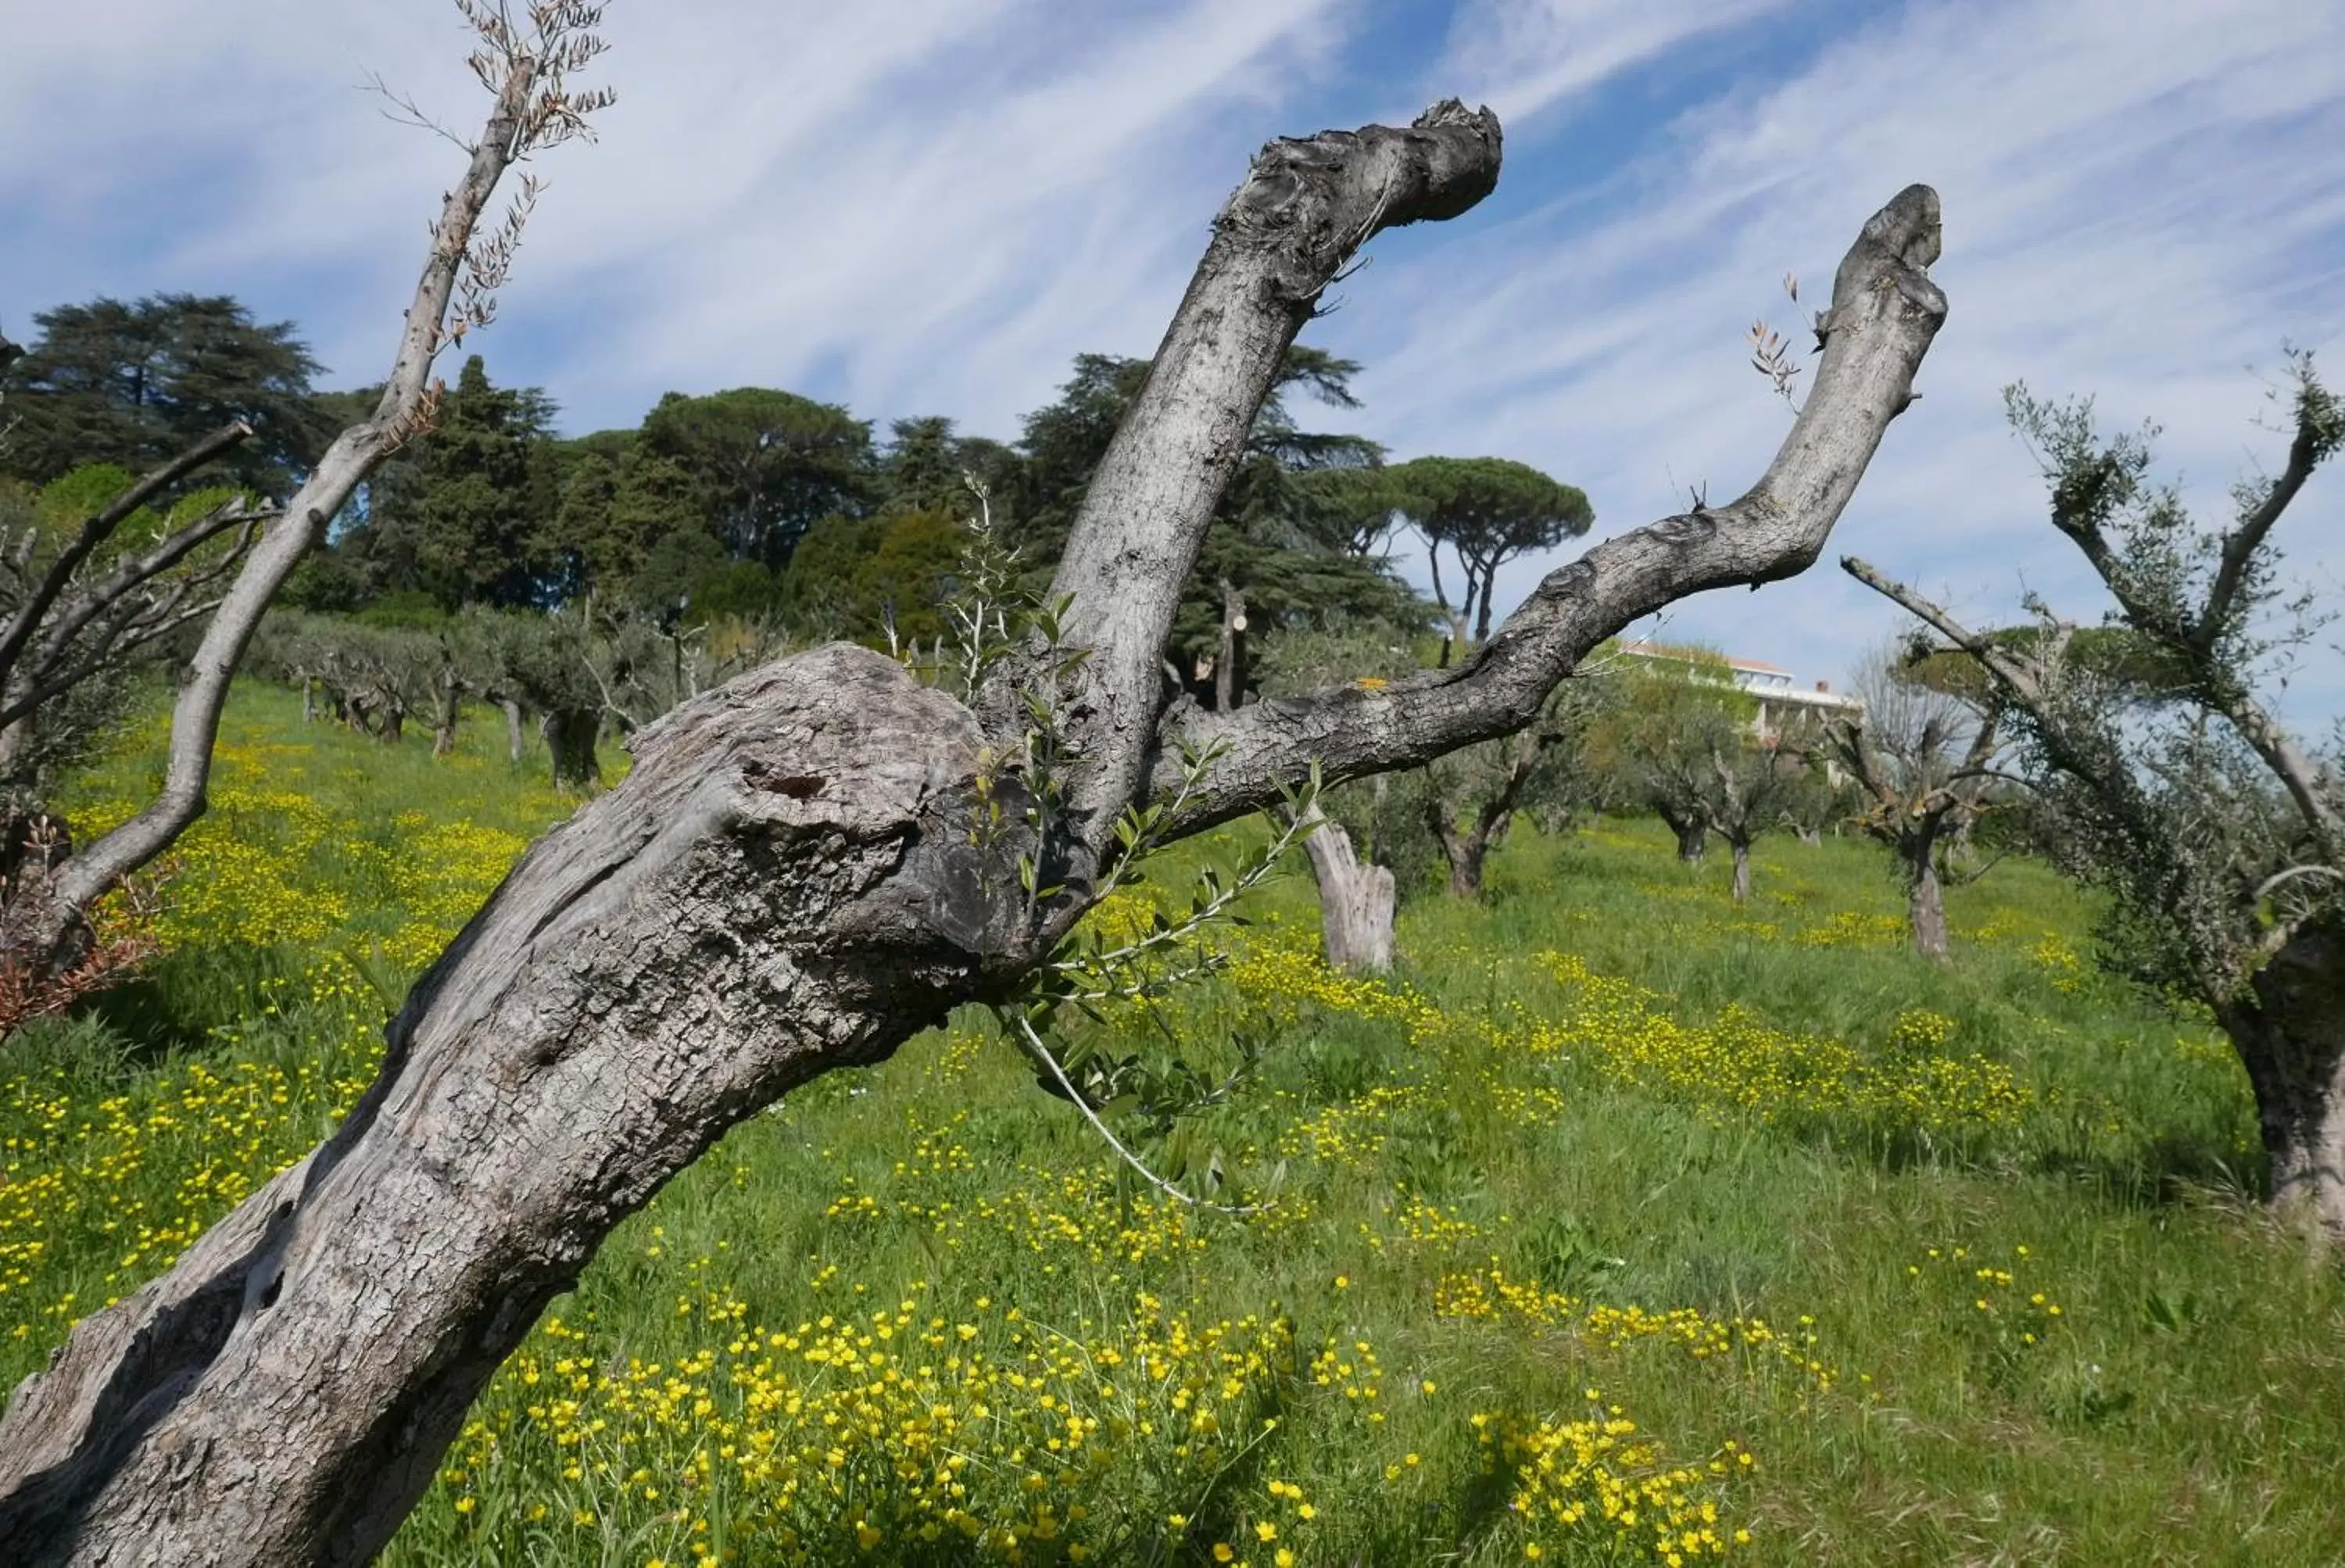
column 930, row 205
column 1525, row 58
column 2139, row 202
column 914, row 204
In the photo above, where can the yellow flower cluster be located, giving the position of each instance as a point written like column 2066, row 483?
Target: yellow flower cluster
column 1490, row 1295
column 1354, row 1133
column 147, row 1170
column 1853, row 928
column 1286, row 977
column 902, row 1429
column 233, row 878
column 1987, row 1296
column 1740, row 1063
column 267, row 866
column 1595, row 1475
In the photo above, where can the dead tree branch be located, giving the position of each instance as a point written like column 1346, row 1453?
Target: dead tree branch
column 1884, row 312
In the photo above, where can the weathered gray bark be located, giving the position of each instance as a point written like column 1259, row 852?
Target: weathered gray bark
column 1307, row 204
column 786, row 883
column 1742, row 848
column 2292, row 1040
column 1926, row 905
column 1885, row 313
column 1356, row 899
column 514, row 743
column 570, row 735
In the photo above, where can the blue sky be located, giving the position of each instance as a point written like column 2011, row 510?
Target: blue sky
column 930, row 206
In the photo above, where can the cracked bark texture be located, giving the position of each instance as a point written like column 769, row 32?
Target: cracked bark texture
column 784, row 884
column 1307, row 205
column 2292, row 1040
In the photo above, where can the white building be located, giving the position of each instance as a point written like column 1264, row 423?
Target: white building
column 1779, row 695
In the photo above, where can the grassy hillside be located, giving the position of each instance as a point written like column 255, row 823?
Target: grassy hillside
column 1622, row 1225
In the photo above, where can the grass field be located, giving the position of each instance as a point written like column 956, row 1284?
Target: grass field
column 1620, row 1226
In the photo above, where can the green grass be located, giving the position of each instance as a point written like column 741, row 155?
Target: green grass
column 1603, row 1132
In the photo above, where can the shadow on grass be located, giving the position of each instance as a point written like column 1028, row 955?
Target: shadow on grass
column 184, row 1000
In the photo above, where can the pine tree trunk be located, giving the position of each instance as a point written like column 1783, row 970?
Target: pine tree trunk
column 1926, row 907
column 1741, row 868
column 785, row 884
column 570, row 736
column 1355, row 902
column 2292, row 1040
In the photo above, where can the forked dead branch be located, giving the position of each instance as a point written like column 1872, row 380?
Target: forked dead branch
column 788, row 882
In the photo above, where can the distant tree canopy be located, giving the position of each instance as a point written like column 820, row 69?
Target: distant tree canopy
column 465, row 517
column 763, row 464
column 761, row 506
column 134, row 383
column 1485, row 511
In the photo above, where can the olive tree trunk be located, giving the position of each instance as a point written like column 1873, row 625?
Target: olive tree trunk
column 1467, row 850
column 1926, row 905
column 2292, row 1040
column 1356, row 898
column 1691, row 830
column 784, row 886
column 1742, row 848
column 570, row 736
column 449, row 712
column 786, row 882
column 515, row 744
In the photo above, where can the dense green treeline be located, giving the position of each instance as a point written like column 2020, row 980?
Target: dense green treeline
column 756, row 504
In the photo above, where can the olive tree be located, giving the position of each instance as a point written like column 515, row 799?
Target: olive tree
column 800, row 873
column 64, row 619
column 1676, row 711
column 1921, row 760
column 2166, row 776
column 1474, row 794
